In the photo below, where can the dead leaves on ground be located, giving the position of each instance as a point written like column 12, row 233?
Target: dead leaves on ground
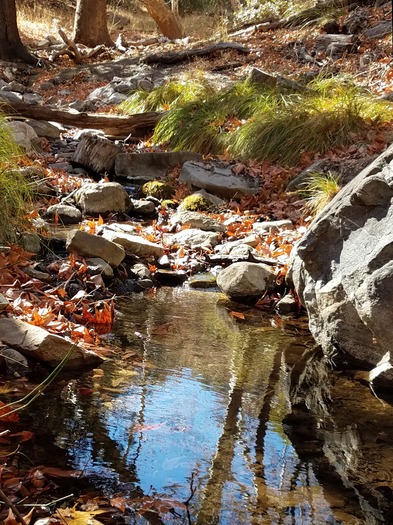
column 49, row 305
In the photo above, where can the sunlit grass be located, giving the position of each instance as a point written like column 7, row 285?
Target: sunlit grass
column 175, row 92
column 318, row 190
column 15, row 192
column 253, row 121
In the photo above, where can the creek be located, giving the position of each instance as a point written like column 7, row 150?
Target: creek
column 194, row 412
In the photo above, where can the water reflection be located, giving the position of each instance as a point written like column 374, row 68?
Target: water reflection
column 197, row 418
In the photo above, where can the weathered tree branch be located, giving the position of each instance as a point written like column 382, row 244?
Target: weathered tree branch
column 117, row 126
column 172, row 57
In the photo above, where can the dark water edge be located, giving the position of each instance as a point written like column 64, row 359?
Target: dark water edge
column 240, row 418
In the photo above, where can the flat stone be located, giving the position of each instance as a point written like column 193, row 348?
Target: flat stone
column 144, row 167
column 36, row 343
column 226, row 248
column 193, row 238
column 10, row 96
column 218, row 179
column 200, row 221
column 89, row 245
column 272, row 226
column 202, row 280
column 170, row 277
column 134, row 244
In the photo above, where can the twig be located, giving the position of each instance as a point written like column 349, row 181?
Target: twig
column 71, row 45
column 54, row 502
column 11, row 506
column 187, row 502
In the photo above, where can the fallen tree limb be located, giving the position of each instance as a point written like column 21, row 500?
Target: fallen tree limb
column 116, row 126
column 172, row 57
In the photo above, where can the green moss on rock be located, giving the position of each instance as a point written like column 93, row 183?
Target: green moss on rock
column 158, row 189
column 196, row 203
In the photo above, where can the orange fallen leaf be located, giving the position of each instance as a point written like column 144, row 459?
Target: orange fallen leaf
column 237, row 315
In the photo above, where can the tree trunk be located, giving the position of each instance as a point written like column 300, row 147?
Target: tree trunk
column 167, row 21
column 90, row 26
column 11, row 47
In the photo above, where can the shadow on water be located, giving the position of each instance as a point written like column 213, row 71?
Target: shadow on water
column 196, row 407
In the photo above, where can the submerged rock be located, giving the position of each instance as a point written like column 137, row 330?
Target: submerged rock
column 343, row 269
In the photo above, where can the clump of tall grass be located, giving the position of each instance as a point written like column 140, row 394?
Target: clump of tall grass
column 15, row 192
column 255, row 122
column 175, row 92
column 318, row 190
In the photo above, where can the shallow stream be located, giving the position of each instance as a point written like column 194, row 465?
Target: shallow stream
column 190, row 414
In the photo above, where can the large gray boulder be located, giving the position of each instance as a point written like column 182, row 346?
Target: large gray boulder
column 342, row 270
column 102, row 197
column 245, row 280
column 218, row 178
column 38, row 344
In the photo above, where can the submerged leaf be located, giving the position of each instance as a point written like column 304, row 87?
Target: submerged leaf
column 79, row 517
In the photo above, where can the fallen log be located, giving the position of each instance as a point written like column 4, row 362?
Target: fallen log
column 115, row 126
column 173, row 57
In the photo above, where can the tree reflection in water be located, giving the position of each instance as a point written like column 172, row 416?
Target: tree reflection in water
column 206, row 403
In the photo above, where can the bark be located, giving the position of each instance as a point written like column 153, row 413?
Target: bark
column 168, row 22
column 11, row 47
column 90, row 26
column 117, row 126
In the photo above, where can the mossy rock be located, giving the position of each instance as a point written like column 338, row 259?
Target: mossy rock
column 158, row 189
column 169, row 203
column 196, row 203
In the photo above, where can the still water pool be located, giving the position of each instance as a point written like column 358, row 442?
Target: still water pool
column 189, row 412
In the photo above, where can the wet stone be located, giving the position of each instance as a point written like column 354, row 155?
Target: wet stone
column 202, row 280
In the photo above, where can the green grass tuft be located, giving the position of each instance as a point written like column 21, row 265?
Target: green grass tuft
column 318, row 190
column 15, row 192
column 255, row 122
